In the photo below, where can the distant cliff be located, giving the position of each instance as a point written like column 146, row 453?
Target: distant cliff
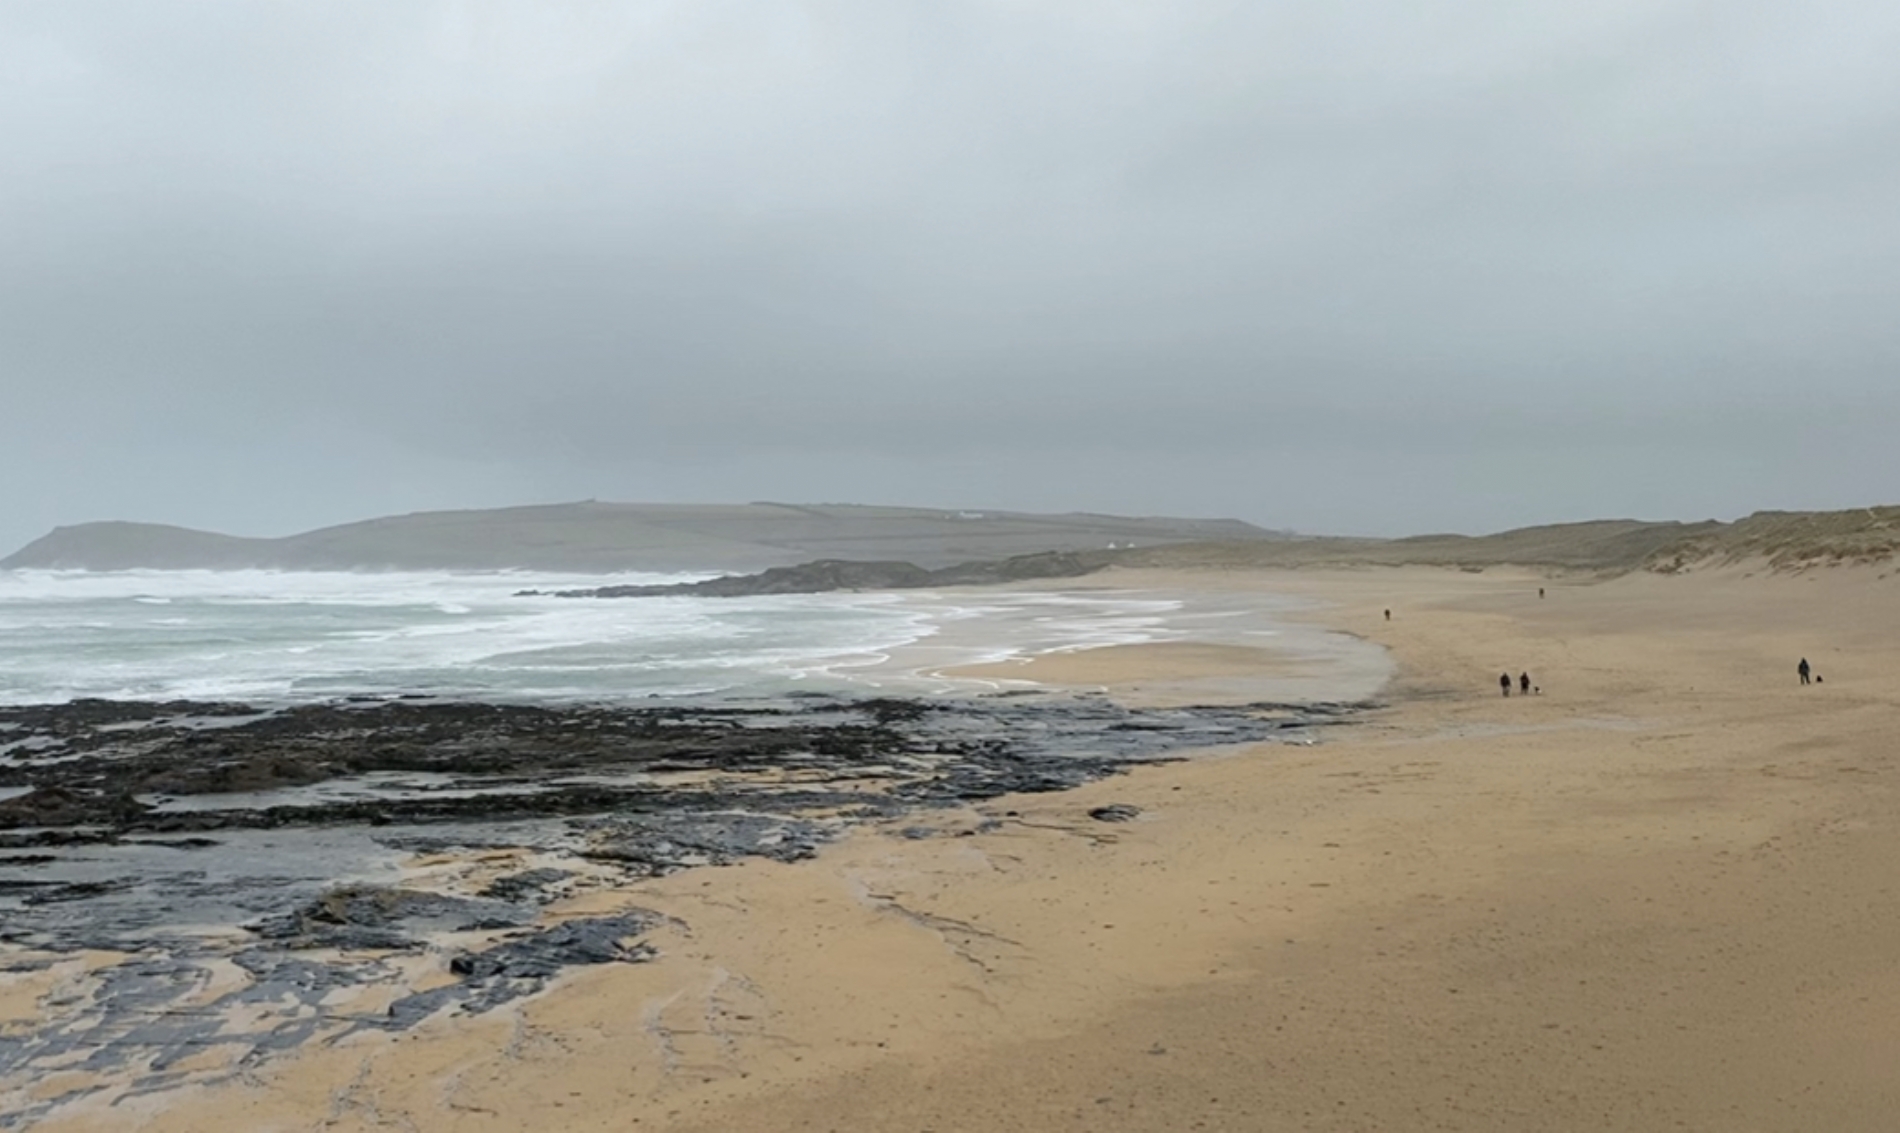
column 604, row 537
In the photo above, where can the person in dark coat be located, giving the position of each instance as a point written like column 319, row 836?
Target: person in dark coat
column 1524, row 683
column 1803, row 669
column 1504, row 682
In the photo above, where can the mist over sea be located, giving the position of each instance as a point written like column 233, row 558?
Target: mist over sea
column 269, row 636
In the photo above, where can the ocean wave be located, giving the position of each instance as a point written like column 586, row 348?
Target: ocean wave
column 264, row 635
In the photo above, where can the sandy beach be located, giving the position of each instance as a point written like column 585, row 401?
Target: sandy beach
column 1659, row 894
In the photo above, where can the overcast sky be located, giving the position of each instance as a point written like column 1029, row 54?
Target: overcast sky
column 1386, row 267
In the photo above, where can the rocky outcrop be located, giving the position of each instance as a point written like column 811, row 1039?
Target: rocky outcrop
column 561, row 800
column 828, row 575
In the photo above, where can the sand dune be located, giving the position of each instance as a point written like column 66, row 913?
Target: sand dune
column 1778, row 541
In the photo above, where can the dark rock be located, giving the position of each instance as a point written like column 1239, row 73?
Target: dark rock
column 221, row 767
column 1115, row 812
column 66, row 806
column 50, row 892
column 530, row 885
column 365, row 917
column 659, row 844
column 540, row 956
column 648, row 789
column 181, row 843
column 525, row 964
column 825, row 575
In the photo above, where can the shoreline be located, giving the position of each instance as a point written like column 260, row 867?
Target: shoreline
column 472, row 638
column 420, row 919
column 1187, row 650
column 332, row 851
column 1649, row 897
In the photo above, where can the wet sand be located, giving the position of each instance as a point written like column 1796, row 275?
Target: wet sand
column 1660, row 894
column 326, row 870
column 1116, row 666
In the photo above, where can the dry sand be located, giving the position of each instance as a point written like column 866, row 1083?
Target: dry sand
column 1663, row 894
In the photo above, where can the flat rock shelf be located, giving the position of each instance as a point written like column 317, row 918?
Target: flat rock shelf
column 243, row 865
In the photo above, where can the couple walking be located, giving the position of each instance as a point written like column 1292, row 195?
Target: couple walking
column 1523, row 683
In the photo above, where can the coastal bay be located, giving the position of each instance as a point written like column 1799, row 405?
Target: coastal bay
column 1651, row 894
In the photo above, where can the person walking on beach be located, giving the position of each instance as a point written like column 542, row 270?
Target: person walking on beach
column 1504, row 682
column 1803, row 669
column 1524, row 683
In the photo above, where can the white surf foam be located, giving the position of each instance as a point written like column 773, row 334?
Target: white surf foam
column 279, row 636
column 294, row 635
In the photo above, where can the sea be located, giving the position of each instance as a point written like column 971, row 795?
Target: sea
column 470, row 821
column 285, row 637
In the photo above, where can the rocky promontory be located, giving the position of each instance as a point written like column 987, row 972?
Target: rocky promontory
column 827, row 575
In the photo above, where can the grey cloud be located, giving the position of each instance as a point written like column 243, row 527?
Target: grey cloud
column 1377, row 267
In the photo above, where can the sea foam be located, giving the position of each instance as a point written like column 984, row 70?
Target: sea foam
column 291, row 636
